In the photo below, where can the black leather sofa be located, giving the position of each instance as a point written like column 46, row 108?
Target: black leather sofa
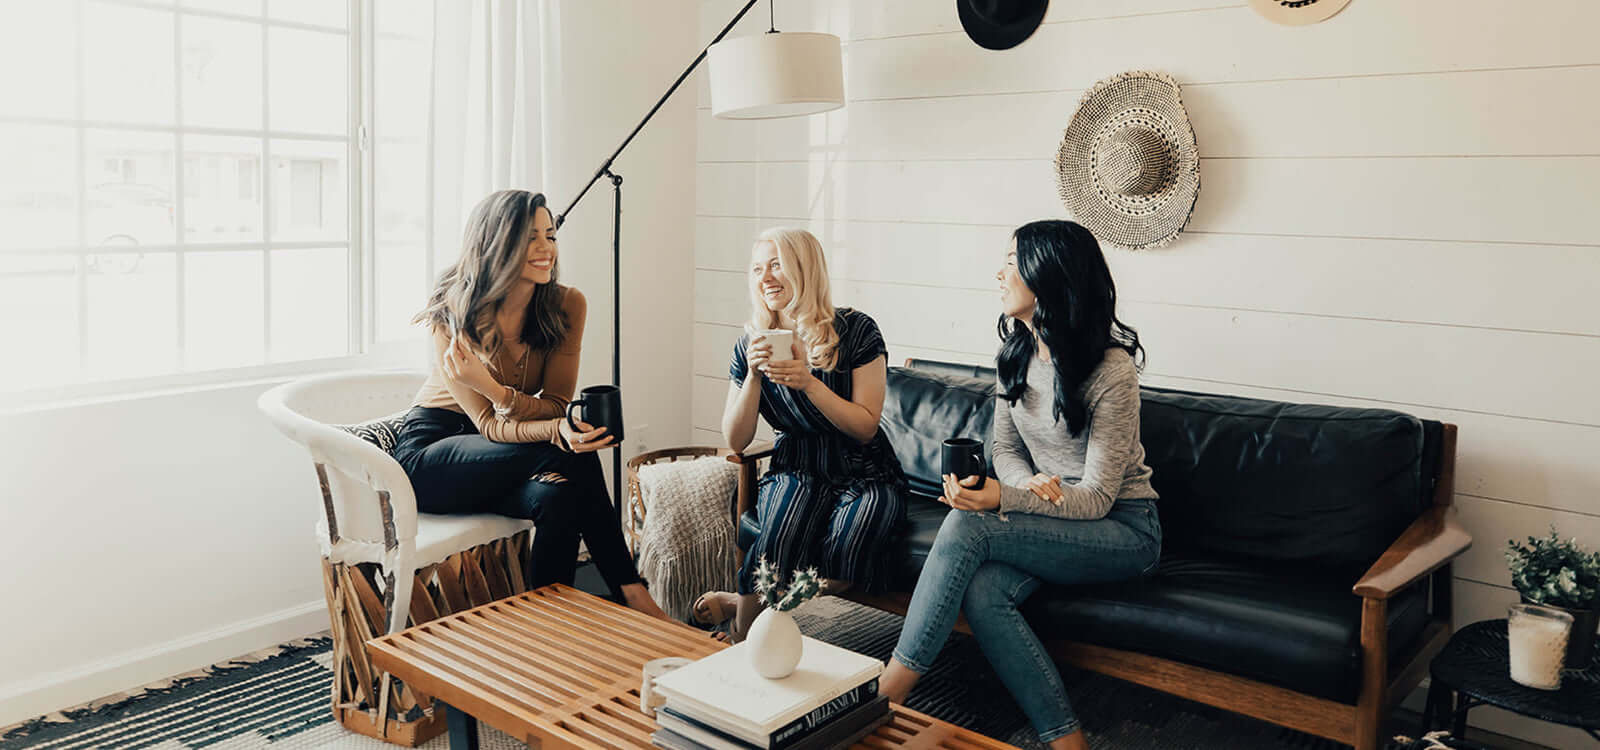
column 1305, row 575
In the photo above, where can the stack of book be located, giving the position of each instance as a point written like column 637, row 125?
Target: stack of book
column 719, row 702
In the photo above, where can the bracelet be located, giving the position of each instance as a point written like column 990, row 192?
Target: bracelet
column 505, row 411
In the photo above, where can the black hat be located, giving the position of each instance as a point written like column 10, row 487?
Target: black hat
column 1000, row 24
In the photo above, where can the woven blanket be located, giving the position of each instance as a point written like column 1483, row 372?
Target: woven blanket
column 688, row 543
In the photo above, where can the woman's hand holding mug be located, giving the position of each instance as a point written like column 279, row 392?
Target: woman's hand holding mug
column 966, row 494
column 757, row 352
column 794, row 372
column 583, row 437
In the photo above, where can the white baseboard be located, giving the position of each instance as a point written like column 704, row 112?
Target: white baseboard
column 53, row 691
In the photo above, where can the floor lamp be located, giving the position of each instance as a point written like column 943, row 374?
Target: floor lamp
column 756, row 77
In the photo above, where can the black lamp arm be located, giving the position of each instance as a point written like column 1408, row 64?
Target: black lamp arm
column 605, row 166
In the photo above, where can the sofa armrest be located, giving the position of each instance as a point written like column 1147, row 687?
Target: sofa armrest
column 1426, row 545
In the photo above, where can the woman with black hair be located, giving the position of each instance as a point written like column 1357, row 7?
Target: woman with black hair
column 1073, row 503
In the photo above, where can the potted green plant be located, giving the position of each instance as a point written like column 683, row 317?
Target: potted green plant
column 1556, row 572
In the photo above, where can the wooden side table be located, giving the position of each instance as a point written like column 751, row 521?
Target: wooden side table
column 1475, row 666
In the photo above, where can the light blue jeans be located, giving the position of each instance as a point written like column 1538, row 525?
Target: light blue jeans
column 986, row 566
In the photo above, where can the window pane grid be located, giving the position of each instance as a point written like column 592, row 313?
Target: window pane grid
column 80, row 138
column 180, row 202
column 166, row 128
column 70, row 250
column 259, row 16
column 267, row 201
column 145, row 194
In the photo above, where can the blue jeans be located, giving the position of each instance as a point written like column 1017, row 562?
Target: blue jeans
column 986, row 566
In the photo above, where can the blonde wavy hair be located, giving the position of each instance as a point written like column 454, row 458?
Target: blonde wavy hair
column 811, row 307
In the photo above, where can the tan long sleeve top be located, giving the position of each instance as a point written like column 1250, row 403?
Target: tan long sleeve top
column 539, row 384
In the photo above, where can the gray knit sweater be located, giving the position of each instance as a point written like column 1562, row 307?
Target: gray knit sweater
column 1101, row 464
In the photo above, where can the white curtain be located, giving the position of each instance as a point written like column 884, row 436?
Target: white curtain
column 484, row 109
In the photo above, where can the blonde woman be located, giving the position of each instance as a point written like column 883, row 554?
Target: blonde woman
column 486, row 434
column 834, row 492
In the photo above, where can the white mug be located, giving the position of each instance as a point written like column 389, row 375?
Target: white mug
column 649, row 699
column 781, row 340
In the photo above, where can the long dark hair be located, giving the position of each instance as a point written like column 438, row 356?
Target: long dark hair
column 493, row 251
column 1074, row 314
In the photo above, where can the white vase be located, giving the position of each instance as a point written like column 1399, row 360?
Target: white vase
column 774, row 644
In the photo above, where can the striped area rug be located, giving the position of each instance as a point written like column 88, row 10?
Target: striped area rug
column 279, row 699
column 256, row 701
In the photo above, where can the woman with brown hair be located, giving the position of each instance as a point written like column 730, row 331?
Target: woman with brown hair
column 487, row 433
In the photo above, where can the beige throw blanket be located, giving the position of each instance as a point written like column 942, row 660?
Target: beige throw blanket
column 688, row 544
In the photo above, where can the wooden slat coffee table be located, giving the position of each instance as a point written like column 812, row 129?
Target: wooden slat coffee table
column 559, row 668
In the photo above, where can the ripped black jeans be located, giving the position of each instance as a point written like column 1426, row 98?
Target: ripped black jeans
column 454, row 470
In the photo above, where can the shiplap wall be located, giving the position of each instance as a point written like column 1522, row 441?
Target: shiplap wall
column 1398, row 209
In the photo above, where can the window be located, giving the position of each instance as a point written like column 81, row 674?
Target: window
column 188, row 185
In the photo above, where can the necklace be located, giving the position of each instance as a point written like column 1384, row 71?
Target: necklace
column 521, row 368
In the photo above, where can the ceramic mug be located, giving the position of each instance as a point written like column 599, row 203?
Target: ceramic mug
column 602, row 407
column 782, row 342
column 649, row 699
column 963, row 457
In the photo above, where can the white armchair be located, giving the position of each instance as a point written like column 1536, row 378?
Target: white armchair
column 384, row 564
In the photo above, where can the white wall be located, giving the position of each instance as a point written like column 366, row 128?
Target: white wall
column 1396, row 210
column 147, row 536
column 615, row 60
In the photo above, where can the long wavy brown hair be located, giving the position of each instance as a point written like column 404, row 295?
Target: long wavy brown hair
column 493, row 251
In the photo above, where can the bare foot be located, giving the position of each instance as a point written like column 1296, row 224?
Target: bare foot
column 715, row 607
column 638, row 597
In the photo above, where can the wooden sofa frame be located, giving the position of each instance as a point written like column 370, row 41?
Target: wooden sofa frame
column 1420, row 556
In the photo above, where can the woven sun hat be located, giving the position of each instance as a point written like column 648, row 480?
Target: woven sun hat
column 1298, row 12
column 1128, row 167
column 1000, row 24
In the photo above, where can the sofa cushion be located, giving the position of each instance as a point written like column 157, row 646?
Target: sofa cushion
column 922, row 409
column 1245, row 478
column 1283, row 626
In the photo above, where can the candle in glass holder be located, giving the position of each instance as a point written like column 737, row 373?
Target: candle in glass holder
column 1538, row 638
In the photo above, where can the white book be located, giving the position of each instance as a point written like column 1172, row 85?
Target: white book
column 726, row 691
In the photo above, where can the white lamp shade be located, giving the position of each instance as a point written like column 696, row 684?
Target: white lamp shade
column 786, row 74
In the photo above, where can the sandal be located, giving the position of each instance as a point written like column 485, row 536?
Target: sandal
column 712, row 607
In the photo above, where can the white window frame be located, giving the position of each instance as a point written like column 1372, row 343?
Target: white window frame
column 365, row 351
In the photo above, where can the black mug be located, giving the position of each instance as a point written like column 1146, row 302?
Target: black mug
column 602, row 407
column 963, row 457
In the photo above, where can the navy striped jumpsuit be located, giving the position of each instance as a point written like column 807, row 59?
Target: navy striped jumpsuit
column 827, row 501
